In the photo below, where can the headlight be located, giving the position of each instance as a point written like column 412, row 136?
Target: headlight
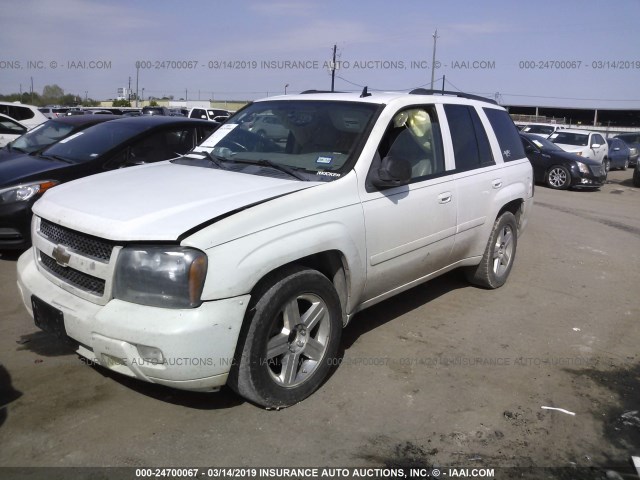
column 170, row 277
column 22, row 193
column 583, row 167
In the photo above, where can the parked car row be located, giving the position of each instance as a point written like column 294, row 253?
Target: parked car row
column 619, row 151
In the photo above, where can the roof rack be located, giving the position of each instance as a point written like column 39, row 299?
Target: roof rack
column 424, row 91
column 318, row 91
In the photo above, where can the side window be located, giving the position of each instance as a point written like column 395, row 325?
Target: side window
column 597, row 139
column 20, row 113
column 161, row 145
column 414, row 135
column 506, row 133
column 470, row 144
column 7, row 126
column 179, row 141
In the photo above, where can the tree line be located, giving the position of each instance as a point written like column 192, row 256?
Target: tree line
column 51, row 95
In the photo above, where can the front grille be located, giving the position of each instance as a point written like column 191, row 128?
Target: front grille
column 74, row 277
column 597, row 170
column 84, row 244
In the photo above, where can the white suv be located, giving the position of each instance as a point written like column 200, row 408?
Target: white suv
column 585, row 143
column 27, row 115
column 241, row 262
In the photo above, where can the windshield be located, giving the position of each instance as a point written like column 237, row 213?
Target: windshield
column 543, row 129
column 94, row 141
column 315, row 137
column 566, row 138
column 42, row 136
column 544, row 144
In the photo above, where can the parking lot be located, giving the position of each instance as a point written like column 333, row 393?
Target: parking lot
column 444, row 374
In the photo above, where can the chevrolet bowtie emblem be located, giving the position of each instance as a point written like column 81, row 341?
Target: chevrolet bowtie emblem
column 61, row 255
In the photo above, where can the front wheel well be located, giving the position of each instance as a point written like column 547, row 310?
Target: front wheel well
column 330, row 263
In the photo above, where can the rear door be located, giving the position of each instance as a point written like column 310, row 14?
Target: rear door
column 478, row 178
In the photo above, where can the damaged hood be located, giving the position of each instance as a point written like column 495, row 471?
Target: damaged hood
column 160, row 201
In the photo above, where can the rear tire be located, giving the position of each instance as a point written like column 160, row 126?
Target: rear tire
column 496, row 263
column 290, row 340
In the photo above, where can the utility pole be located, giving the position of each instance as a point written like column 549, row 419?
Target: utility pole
column 443, row 77
column 129, row 89
column 31, row 90
column 333, row 68
column 137, row 77
column 433, row 61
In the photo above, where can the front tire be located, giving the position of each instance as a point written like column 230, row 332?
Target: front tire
column 558, row 178
column 496, row 263
column 291, row 340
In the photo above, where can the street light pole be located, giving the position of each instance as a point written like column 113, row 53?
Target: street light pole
column 433, row 60
column 137, row 76
column 285, row 88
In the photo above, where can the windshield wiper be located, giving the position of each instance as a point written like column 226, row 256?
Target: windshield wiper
column 57, row 157
column 215, row 159
column 17, row 149
column 276, row 166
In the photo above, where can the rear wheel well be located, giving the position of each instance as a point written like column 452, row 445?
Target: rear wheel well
column 515, row 207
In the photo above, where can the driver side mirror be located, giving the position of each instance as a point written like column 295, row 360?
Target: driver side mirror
column 393, row 172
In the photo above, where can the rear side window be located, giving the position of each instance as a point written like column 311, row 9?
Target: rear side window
column 470, row 143
column 17, row 113
column 507, row 134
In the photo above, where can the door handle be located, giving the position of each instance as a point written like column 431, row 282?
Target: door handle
column 444, row 197
column 497, row 183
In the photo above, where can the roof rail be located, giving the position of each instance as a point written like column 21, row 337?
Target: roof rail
column 318, row 91
column 424, row 91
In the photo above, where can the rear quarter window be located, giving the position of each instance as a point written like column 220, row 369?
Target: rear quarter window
column 506, row 133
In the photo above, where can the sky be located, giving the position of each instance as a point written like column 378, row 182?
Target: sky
column 572, row 53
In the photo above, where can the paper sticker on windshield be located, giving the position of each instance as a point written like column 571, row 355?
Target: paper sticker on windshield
column 554, row 135
column 71, row 137
column 325, row 160
column 218, row 135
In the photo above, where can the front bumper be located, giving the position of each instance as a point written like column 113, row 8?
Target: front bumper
column 15, row 225
column 592, row 179
column 197, row 345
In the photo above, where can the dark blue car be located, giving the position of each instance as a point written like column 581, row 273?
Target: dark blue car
column 559, row 169
column 619, row 154
column 109, row 145
column 633, row 141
